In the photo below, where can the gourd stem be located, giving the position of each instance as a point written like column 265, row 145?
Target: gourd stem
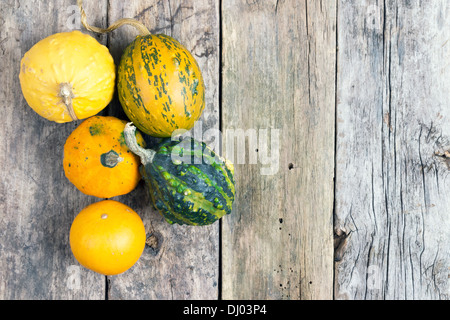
column 129, row 133
column 139, row 26
column 66, row 93
column 110, row 159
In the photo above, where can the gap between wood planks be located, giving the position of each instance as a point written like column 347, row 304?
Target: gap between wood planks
column 340, row 237
column 219, row 279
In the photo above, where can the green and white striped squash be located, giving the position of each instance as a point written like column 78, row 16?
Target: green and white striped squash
column 160, row 85
column 188, row 182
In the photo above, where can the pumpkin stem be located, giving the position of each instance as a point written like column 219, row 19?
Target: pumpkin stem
column 66, row 93
column 110, row 159
column 129, row 133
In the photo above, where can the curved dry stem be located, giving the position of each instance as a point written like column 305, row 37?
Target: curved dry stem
column 129, row 133
column 136, row 24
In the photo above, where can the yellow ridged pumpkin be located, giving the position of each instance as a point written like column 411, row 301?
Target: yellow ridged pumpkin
column 67, row 76
column 97, row 160
column 107, row 237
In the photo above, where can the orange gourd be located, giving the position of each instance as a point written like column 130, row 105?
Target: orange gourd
column 97, row 160
column 107, row 237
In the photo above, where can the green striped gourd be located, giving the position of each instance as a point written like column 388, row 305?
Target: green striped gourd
column 188, row 182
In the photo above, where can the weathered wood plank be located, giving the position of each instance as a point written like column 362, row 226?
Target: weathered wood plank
column 38, row 204
column 279, row 74
column 183, row 263
column 393, row 185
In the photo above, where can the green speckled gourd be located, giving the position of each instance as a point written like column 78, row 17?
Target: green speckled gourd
column 188, row 182
column 160, row 85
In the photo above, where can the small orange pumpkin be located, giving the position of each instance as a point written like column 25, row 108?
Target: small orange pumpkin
column 97, row 160
column 107, row 237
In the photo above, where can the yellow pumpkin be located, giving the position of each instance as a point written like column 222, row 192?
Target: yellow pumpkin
column 107, row 237
column 67, row 76
column 97, row 160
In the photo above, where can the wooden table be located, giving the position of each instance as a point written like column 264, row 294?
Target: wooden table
column 345, row 195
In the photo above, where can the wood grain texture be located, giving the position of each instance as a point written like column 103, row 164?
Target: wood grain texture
column 38, row 203
column 355, row 89
column 392, row 181
column 279, row 74
column 180, row 262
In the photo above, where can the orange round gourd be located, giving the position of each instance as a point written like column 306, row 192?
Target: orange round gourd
column 97, row 160
column 107, row 237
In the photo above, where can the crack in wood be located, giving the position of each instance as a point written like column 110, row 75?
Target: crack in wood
column 444, row 157
column 340, row 243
